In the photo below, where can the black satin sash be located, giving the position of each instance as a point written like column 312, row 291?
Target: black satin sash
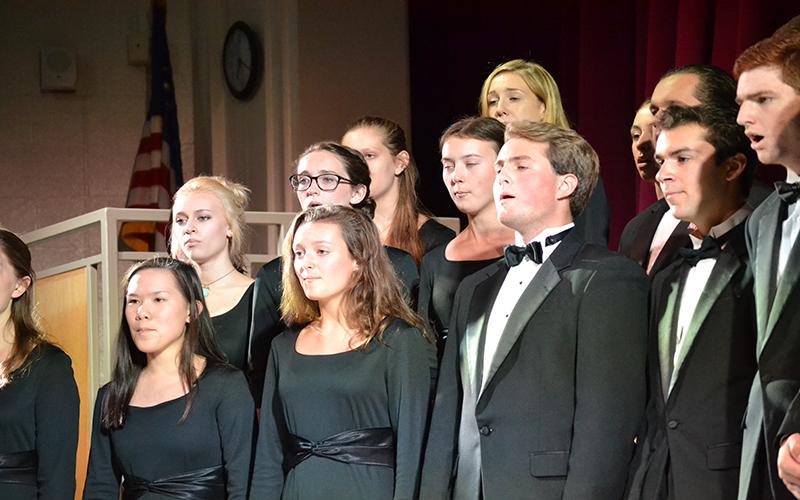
column 202, row 484
column 19, row 468
column 359, row 446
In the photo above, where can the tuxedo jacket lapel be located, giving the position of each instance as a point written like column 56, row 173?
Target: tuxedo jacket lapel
column 678, row 239
column 546, row 279
column 763, row 272
column 471, row 348
column 641, row 246
column 785, row 287
column 666, row 329
column 726, row 266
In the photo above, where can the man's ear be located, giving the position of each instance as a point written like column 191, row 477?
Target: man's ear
column 734, row 166
column 567, row 184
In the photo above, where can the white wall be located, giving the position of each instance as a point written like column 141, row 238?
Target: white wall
column 326, row 62
column 65, row 154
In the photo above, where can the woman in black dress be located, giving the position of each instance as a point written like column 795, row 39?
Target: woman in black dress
column 208, row 232
column 327, row 173
column 39, row 404
column 348, row 387
column 469, row 148
column 402, row 221
column 176, row 420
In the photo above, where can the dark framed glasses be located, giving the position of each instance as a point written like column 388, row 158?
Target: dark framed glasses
column 326, row 182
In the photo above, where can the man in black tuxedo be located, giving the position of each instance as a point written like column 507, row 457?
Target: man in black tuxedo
column 769, row 93
column 653, row 237
column 701, row 352
column 541, row 386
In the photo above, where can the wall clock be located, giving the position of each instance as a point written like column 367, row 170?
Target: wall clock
column 242, row 60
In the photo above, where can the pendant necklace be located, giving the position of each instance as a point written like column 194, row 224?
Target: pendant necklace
column 207, row 286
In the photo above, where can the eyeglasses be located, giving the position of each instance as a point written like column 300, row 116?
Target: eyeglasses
column 326, row 182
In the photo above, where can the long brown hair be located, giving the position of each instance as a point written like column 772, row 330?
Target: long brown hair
column 404, row 231
column 130, row 361
column 27, row 333
column 375, row 297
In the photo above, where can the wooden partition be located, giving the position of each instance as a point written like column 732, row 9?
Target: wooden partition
column 64, row 302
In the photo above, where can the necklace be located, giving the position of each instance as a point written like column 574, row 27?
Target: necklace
column 207, row 286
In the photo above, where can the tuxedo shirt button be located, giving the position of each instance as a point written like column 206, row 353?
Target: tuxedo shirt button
column 673, row 424
column 485, row 430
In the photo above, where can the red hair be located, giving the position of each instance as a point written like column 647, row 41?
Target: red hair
column 782, row 52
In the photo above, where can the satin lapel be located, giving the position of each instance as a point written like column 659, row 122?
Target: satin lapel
column 678, row 239
column 540, row 287
column 763, row 265
column 480, row 306
column 646, row 231
column 727, row 264
column 787, row 284
column 666, row 329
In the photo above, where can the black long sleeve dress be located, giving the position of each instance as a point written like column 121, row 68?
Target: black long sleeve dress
column 267, row 318
column 242, row 332
column 153, row 444
column 433, row 234
column 39, row 411
column 438, row 282
column 388, row 384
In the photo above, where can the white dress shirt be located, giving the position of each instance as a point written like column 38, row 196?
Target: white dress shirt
column 697, row 278
column 789, row 231
column 514, row 284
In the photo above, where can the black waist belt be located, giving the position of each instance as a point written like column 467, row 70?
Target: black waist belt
column 359, row 446
column 202, row 484
column 19, row 468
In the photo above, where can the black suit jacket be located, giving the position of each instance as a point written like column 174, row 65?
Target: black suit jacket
column 774, row 408
column 566, row 390
column 638, row 235
column 692, row 439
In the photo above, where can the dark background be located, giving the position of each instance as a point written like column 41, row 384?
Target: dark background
column 606, row 56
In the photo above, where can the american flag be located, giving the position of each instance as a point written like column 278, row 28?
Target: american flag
column 157, row 170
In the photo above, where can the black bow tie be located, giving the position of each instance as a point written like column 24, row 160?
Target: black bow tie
column 788, row 191
column 514, row 254
column 710, row 249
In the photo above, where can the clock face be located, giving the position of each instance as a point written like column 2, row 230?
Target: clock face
column 241, row 60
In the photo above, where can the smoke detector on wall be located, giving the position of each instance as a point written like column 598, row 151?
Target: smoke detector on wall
column 59, row 70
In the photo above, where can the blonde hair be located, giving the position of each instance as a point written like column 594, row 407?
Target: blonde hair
column 539, row 81
column 234, row 198
column 376, row 295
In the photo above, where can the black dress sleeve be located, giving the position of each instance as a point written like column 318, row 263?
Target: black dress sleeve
column 266, row 324
column 57, row 413
column 406, row 270
column 268, row 476
column 102, row 477
column 424, row 297
column 433, row 234
column 235, row 418
column 411, row 375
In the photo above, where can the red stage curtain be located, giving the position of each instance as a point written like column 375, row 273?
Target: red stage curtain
column 606, row 57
